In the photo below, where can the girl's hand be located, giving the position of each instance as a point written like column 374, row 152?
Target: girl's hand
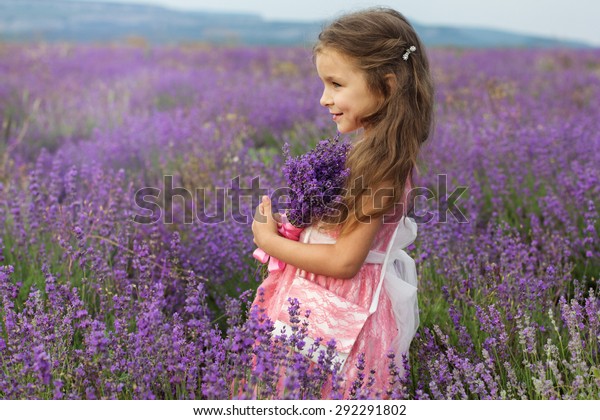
column 264, row 225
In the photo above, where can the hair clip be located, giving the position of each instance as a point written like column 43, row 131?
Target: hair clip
column 408, row 51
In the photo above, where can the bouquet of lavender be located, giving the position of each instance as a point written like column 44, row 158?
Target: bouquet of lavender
column 315, row 180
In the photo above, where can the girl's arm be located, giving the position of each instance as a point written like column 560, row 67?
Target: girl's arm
column 341, row 260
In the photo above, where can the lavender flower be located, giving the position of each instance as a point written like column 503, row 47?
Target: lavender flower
column 315, row 180
column 95, row 306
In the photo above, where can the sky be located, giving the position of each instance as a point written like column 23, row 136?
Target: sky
column 565, row 19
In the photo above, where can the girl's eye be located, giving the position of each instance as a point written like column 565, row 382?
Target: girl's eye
column 336, row 84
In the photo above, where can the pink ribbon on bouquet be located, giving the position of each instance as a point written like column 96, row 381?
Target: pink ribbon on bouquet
column 285, row 229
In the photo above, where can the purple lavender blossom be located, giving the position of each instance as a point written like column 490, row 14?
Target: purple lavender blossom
column 315, row 180
column 95, row 306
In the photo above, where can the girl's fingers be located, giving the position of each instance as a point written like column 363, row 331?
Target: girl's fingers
column 259, row 215
column 265, row 207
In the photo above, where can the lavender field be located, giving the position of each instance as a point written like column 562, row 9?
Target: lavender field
column 107, row 292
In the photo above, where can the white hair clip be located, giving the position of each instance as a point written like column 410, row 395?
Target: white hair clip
column 408, row 51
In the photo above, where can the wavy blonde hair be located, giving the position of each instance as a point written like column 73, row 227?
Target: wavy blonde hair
column 376, row 40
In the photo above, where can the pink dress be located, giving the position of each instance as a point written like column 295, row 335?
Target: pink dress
column 393, row 324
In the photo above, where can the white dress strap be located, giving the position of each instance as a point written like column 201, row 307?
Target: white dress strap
column 400, row 280
column 404, row 234
column 375, row 257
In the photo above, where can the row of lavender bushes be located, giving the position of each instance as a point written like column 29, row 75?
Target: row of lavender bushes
column 94, row 305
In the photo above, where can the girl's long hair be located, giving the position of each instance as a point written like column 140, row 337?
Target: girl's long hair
column 376, row 40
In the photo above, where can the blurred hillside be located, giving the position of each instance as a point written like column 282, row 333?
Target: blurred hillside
column 60, row 20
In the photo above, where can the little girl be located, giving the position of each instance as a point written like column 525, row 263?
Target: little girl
column 376, row 78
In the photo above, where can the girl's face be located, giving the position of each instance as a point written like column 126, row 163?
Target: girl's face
column 345, row 91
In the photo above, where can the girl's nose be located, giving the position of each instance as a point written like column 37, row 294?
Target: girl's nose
column 325, row 99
